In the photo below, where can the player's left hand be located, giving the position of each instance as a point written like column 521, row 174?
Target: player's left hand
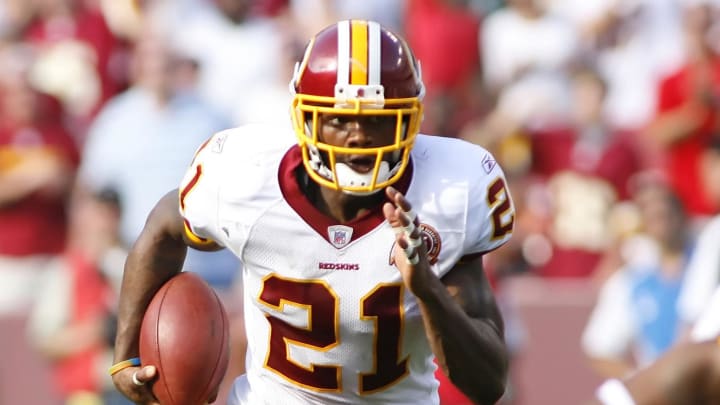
column 134, row 383
column 410, row 254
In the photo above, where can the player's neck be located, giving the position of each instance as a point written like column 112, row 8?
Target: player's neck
column 341, row 206
column 345, row 207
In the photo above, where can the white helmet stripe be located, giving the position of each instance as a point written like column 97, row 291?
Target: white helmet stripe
column 374, row 52
column 343, row 68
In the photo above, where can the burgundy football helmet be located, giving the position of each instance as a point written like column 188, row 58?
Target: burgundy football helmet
column 357, row 67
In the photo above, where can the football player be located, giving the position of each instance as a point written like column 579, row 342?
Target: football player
column 362, row 241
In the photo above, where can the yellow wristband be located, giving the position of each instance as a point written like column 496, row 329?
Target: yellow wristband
column 135, row 361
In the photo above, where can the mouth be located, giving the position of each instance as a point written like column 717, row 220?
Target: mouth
column 361, row 164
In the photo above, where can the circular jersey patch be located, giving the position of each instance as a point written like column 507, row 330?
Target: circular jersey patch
column 431, row 237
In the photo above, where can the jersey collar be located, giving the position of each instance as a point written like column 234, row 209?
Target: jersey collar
column 291, row 191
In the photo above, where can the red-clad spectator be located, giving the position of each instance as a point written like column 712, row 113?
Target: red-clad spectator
column 38, row 158
column 444, row 36
column 613, row 160
column 687, row 116
column 37, row 164
column 77, row 54
column 586, row 168
column 569, row 175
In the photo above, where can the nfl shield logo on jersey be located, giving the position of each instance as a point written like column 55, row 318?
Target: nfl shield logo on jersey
column 339, row 235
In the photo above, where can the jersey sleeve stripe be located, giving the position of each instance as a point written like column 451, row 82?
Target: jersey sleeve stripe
column 194, row 238
column 197, row 152
column 190, row 185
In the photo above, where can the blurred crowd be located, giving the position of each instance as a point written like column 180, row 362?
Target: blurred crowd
column 604, row 114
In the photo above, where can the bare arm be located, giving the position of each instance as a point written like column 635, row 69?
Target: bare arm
column 687, row 374
column 465, row 330
column 156, row 256
column 676, row 125
column 608, row 367
column 679, row 122
column 36, row 171
column 462, row 321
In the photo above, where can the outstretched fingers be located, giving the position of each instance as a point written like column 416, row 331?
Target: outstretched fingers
column 405, row 223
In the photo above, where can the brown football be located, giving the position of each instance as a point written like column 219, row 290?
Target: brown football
column 185, row 334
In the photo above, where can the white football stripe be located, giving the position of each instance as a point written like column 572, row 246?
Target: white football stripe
column 343, row 69
column 374, row 52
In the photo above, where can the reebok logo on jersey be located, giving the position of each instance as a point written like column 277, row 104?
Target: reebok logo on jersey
column 338, row 266
column 488, row 163
column 218, row 143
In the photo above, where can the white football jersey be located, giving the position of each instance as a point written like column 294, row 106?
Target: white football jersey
column 328, row 318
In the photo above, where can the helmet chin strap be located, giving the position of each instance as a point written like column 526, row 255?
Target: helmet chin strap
column 347, row 177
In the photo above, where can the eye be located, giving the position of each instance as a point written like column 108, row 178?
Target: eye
column 381, row 120
column 337, row 121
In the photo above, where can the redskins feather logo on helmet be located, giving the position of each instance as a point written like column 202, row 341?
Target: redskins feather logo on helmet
column 357, row 67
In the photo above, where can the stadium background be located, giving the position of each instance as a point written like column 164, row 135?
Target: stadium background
column 603, row 113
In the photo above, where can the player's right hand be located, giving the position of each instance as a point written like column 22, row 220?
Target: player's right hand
column 410, row 254
column 137, row 388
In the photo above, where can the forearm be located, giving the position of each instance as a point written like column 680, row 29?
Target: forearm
column 686, row 374
column 149, row 265
column 470, row 349
column 676, row 125
column 461, row 318
column 611, row 367
column 157, row 255
column 39, row 172
column 15, row 187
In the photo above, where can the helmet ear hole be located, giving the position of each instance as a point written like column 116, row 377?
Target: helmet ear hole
column 404, row 125
column 307, row 118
